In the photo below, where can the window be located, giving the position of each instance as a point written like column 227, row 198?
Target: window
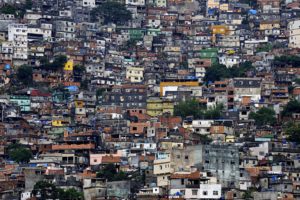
column 204, row 193
column 182, row 181
column 194, row 192
column 186, row 157
column 215, row 192
column 134, row 128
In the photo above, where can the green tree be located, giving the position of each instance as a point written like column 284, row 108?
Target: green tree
column 204, row 139
column 192, row 108
column 112, row 12
column 216, row 73
column 57, row 64
column 8, row 9
column 188, row 108
column 264, row 116
column 24, row 74
column 28, row 4
column 19, row 153
column 45, row 190
column 110, row 173
column 287, row 60
column 69, row 194
column 292, row 106
column 293, row 132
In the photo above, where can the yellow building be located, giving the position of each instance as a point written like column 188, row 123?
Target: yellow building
column 224, row 7
column 173, row 85
column 158, row 106
column 269, row 25
column 79, row 104
column 230, row 138
column 69, row 65
column 59, row 122
column 213, row 4
column 219, row 29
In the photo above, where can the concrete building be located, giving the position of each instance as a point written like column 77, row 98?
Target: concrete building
column 223, row 161
column 294, row 33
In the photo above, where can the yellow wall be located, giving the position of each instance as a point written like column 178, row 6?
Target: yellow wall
column 230, row 138
column 213, row 4
column 79, row 104
column 157, row 107
column 69, row 65
column 268, row 26
column 57, row 123
column 220, row 29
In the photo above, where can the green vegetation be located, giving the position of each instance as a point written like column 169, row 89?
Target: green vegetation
column 264, row 116
column 192, row 108
column 8, row 9
column 99, row 93
column 204, row 139
column 292, row 131
column 78, row 72
column 287, row 60
column 57, row 64
column 69, row 194
column 19, row 153
column 110, row 173
column 45, row 190
column 111, row 12
column 28, row 4
column 218, row 72
column 24, row 75
column 265, row 48
column 293, row 106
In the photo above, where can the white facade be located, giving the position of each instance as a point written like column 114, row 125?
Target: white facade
column 260, row 151
column 88, row 3
column 294, row 33
column 202, row 126
column 206, row 191
column 135, row 2
column 210, row 191
column 229, row 61
column 25, row 195
column 17, row 33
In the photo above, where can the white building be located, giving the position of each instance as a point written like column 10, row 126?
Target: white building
column 294, row 33
column 206, row 191
column 135, row 2
column 89, row 3
column 17, row 33
column 202, row 126
column 210, row 191
column 25, row 195
column 135, row 74
column 229, row 61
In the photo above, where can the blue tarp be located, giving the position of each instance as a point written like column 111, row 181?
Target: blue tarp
column 72, row 88
column 7, row 67
column 252, row 12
